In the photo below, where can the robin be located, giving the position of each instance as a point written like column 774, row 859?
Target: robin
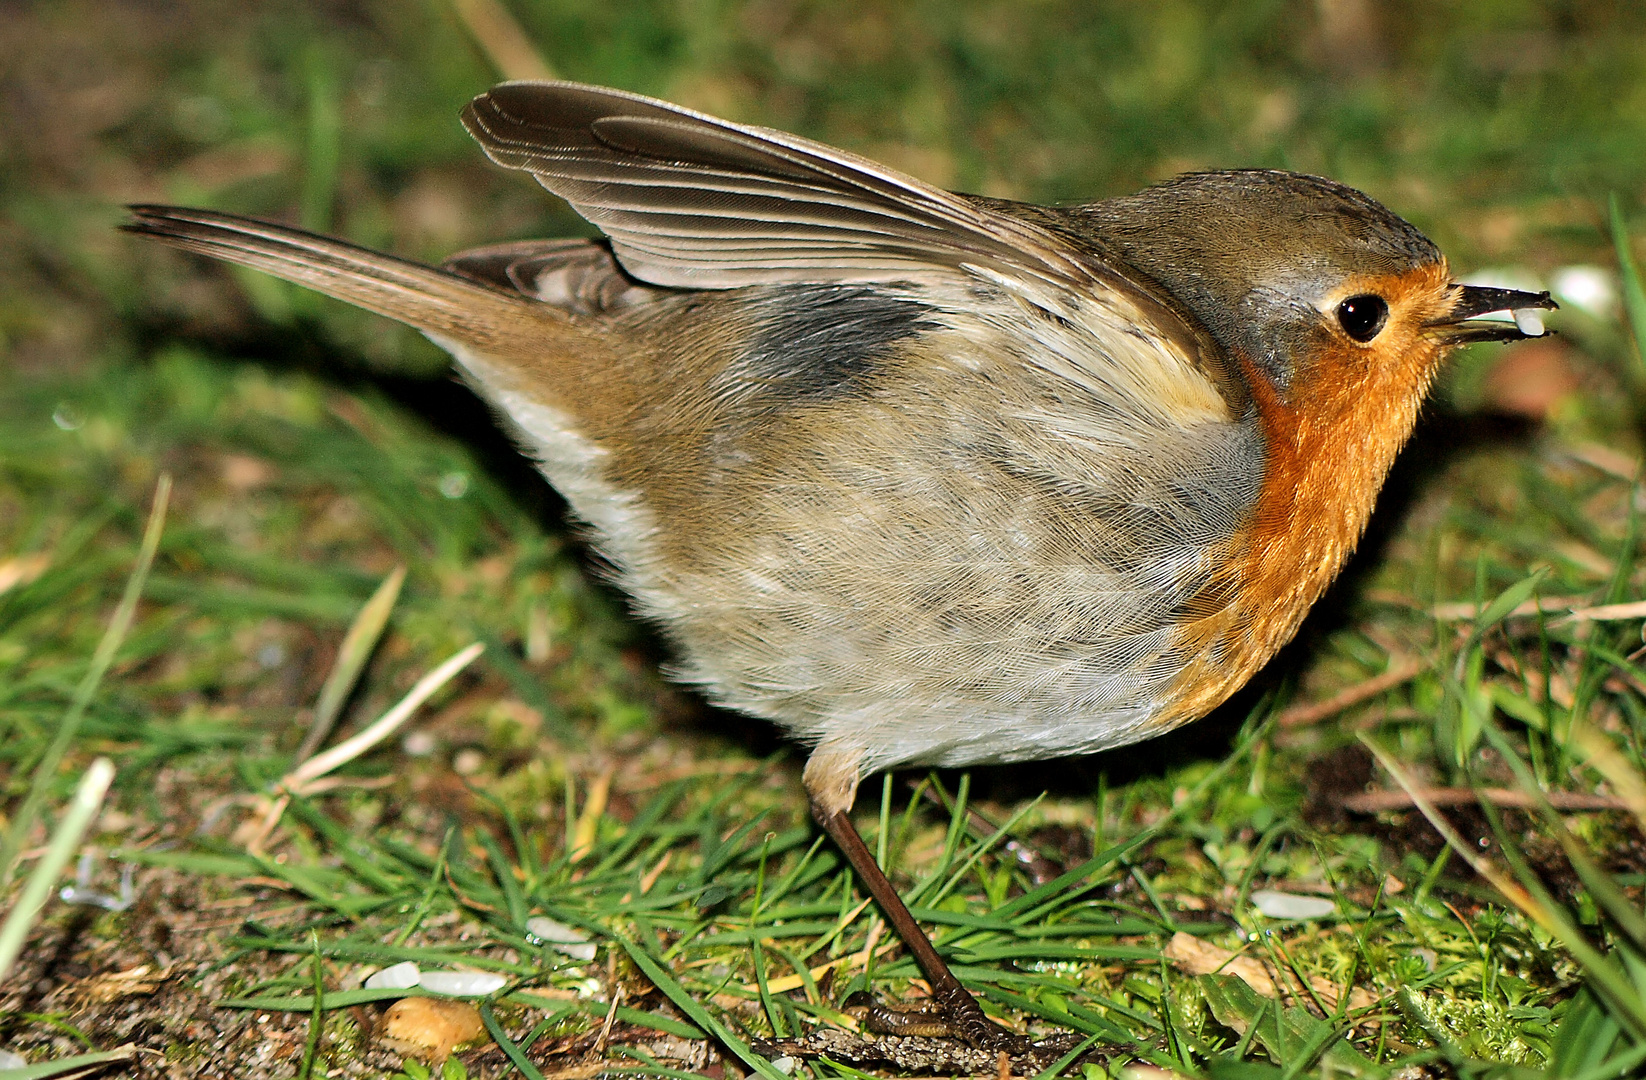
column 928, row 478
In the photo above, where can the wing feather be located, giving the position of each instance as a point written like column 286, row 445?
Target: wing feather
column 577, row 276
column 692, row 201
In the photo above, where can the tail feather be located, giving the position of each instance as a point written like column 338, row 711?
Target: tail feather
column 434, row 301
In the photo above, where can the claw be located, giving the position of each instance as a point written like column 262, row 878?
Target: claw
column 958, row 1019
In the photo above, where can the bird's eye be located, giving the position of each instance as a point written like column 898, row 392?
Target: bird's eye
column 1362, row 316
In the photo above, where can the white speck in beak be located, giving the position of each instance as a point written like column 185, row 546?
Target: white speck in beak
column 1529, row 321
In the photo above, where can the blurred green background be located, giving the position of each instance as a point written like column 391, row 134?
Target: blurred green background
column 1497, row 126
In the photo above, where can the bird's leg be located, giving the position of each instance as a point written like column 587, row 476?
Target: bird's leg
column 831, row 785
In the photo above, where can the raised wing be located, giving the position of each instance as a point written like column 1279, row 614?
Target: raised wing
column 692, row 201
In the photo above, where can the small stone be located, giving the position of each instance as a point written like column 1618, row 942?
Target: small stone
column 429, row 1029
column 1279, row 905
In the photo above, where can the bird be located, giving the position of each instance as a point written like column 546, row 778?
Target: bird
column 928, row 478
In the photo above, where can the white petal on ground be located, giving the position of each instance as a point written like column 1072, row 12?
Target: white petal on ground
column 402, row 976
column 1279, row 905
column 560, row 937
column 462, row 983
column 546, row 929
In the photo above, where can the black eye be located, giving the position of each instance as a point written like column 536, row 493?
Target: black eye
column 1362, row 316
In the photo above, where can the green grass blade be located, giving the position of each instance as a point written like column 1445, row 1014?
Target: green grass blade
column 516, row 1056
column 514, row 899
column 317, row 1015
column 1585, row 1036
column 660, row 977
column 1055, row 1069
column 79, row 1064
column 1296, row 1037
column 352, row 654
column 1634, row 294
column 88, row 799
column 26, row 815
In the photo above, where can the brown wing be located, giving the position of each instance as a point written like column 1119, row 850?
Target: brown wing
column 579, row 276
column 692, row 201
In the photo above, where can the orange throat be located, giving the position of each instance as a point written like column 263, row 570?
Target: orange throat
column 1329, row 449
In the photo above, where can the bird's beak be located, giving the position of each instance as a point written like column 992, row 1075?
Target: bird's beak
column 1461, row 326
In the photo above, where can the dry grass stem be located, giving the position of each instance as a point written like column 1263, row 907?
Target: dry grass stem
column 1303, row 715
column 503, row 40
column 594, row 808
column 1375, row 802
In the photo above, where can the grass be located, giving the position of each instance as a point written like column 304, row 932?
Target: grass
column 312, row 451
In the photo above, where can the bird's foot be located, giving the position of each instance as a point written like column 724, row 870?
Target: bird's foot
column 958, row 1017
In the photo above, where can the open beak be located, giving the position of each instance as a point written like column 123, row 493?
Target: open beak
column 1462, row 326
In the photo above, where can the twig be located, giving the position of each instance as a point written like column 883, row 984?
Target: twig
column 650, row 877
column 1605, row 613
column 1303, row 715
column 1463, row 610
column 786, row 983
column 1605, row 972
column 611, row 1018
column 303, row 779
column 1373, row 802
column 351, row 748
column 1605, row 459
column 868, row 953
column 1504, row 884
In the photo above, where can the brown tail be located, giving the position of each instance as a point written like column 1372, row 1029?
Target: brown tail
column 431, row 300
